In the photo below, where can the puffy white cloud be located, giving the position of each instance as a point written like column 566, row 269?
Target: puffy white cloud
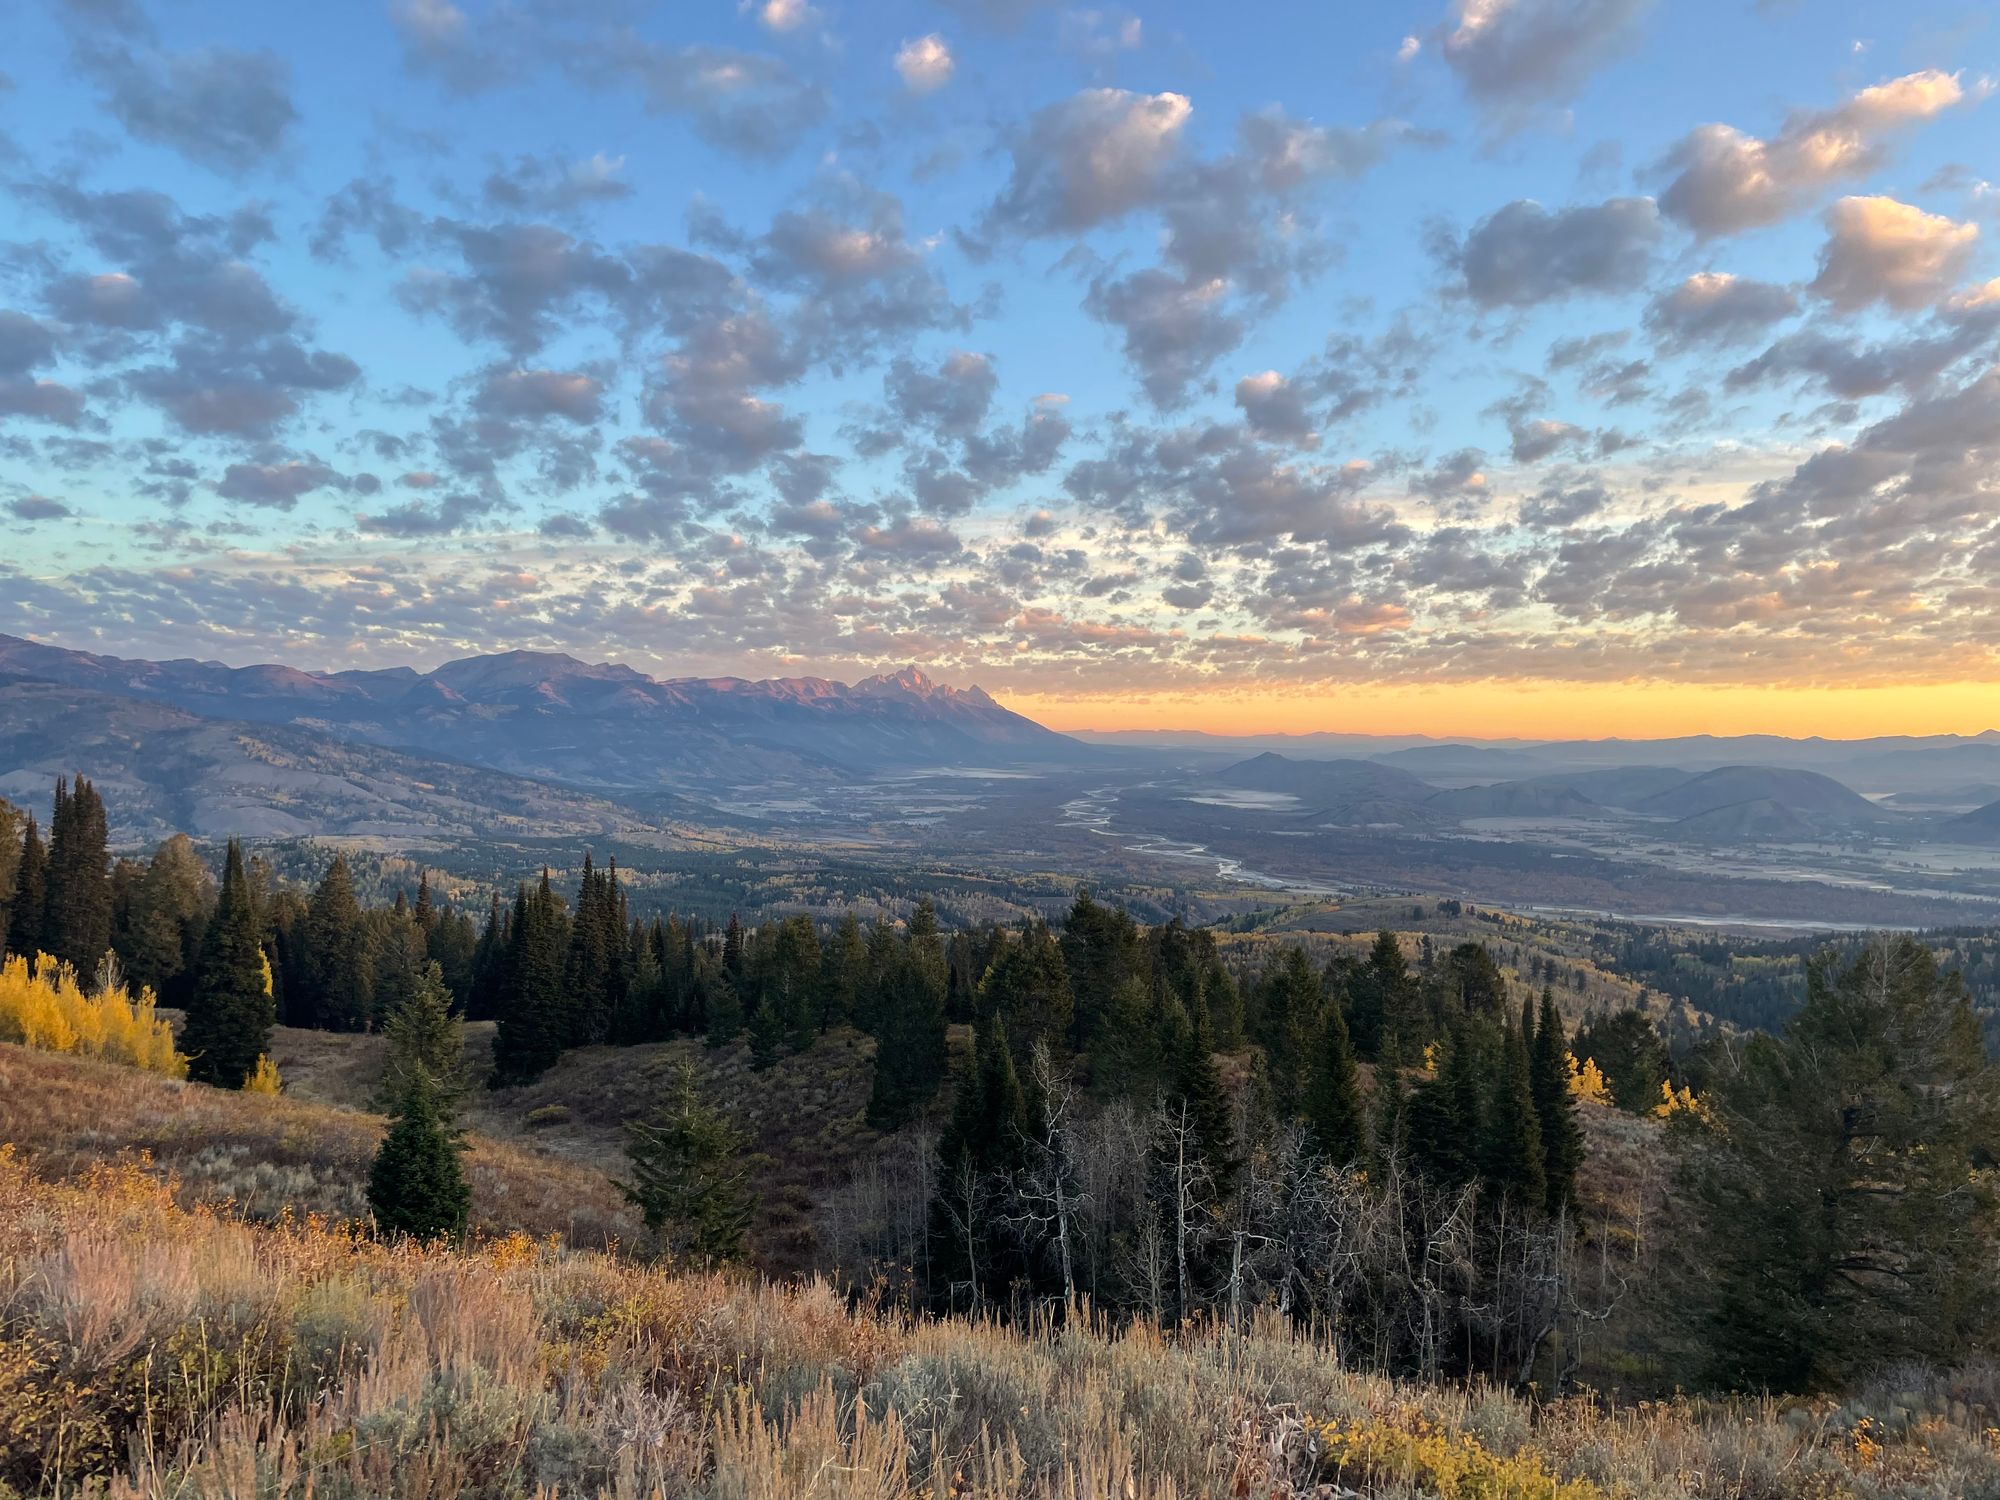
column 1094, row 157
column 1882, row 250
column 1726, row 181
column 925, row 63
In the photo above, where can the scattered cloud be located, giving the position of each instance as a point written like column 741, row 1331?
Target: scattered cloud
column 925, row 63
column 1725, row 182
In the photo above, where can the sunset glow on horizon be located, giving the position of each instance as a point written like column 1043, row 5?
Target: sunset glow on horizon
column 1543, row 711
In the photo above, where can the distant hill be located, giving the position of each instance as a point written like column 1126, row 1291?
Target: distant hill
column 1312, row 780
column 163, row 769
column 1947, row 799
column 1625, row 786
column 1356, row 792
column 605, row 726
column 1980, row 826
column 1462, row 760
column 1515, row 799
column 1761, row 818
column 1817, row 803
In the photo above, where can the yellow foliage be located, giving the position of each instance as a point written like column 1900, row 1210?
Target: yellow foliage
column 263, row 1078
column 1430, row 1057
column 1586, row 1081
column 265, row 959
column 47, row 1009
column 1410, row 1450
column 1675, row 1101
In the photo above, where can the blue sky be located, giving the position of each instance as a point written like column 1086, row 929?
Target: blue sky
column 1162, row 354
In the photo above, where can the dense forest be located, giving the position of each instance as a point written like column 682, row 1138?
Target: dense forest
column 1386, row 1143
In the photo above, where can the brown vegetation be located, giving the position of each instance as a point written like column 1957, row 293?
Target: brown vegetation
column 165, row 1350
column 271, row 1155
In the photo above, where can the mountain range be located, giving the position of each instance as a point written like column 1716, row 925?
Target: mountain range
column 554, row 737
column 1755, row 803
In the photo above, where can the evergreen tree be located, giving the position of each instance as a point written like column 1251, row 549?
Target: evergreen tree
column 1333, row 1112
column 416, row 1184
column 1128, row 1058
column 1197, row 1084
column 12, row 823
column 594, row 966
column 1629, row 1050
column 166, row 921
column 1392, row 1103
column 1384, row 1002
column 910, row 1057
column 982, row 1146
column 230, row 1006
column 489, row 965
column 723, row 1005
column 534, row 1019
column 767, row 1034
column 76, row 913
column 1555, row 1108
column 689, row 1178
column 1027, row 985
column 339, row 987
column 732, row 950
column 24, row 910
column 1445, row 1118
column 1102, row 951
column 426, row 1042
column 1511, row 1149
column 1290, row 999
column 1840, row 1184
column 845, row 969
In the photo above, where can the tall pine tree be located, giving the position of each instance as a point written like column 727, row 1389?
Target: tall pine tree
column 416, row 1184
column 690, row 1179
column 76, row 914
column 1555, row 1108
column 534, row 1016
column 1511, row 1150
column 230, row 1008
column 24, row 910
column 1333, row 1095
column 336, row 969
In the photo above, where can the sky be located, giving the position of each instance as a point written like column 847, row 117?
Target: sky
column 1504, row 367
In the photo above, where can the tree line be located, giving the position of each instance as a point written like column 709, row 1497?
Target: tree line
column 1386, row 1144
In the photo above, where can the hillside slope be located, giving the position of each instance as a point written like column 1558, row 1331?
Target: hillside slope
column 1813, row 800
column 270, row 1156
column 804, row 1115
column 159, row 1348
column 164, row 770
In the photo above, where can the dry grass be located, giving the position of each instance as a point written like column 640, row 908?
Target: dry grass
column 271, row 1155
column 805, row 1114
column 156, row 1350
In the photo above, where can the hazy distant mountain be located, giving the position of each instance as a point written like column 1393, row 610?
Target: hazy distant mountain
column 1515, row 799
column 1761, row 819
column 1355, row 792
column 548, row 715
column 1462, row 760
column 1313, row 780
column 1981, row 826
column 1625, row 786
column 1947, row 799
column 163, row 769
column 1811, row 801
